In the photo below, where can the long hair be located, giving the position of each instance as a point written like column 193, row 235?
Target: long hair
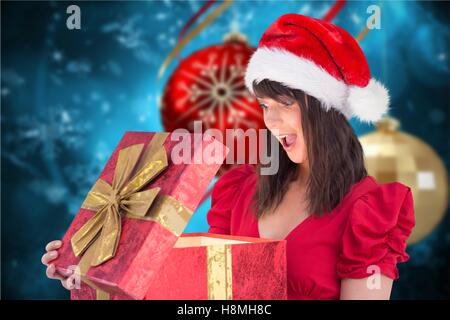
column 335, row 155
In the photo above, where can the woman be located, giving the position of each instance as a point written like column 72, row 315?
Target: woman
column 344, row 232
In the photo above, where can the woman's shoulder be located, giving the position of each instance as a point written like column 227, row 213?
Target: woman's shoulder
column 384, row 199
column 236, row 178
column 241, row 170
column 382, row 206
column 380, row 220
column 224, row 197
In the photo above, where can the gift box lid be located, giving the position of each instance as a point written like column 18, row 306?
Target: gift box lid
column 138, row 207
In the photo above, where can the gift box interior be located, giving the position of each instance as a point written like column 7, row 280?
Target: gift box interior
column 205, row 266
column 186, row 241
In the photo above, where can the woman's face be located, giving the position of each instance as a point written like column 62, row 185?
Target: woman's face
column 283, row 119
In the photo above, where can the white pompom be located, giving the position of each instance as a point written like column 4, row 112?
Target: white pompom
column 370, row 103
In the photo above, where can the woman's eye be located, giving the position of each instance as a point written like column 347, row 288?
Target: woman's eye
column 263, row 106
column 286, row 104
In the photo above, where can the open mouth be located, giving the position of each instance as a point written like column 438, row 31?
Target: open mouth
column 288, row 140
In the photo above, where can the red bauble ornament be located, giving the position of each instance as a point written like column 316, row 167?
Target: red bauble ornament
column 209, row 86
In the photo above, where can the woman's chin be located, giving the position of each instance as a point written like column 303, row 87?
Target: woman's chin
column 295, row 158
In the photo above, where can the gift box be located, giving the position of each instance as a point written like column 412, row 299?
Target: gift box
column 136, row 211
column 218, row 267
column 222, row 267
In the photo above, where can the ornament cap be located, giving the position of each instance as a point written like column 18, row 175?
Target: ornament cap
column 388, row 124
column 235, row 36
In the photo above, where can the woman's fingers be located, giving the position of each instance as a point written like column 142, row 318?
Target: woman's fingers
column 51, row 253
column 67, row 277
column 52, row 274
column 66, row 273
column 49, row 256
column 69, row 283
column 64, row 283
column 53, row 245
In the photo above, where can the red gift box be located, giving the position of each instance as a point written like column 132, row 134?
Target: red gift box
column 222, row 267
column 211, row 266
column 136, row 211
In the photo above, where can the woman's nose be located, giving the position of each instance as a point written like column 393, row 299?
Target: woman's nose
column 272, row 118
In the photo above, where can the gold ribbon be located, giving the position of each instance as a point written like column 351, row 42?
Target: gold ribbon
column 210, row 18
column 219, row 269
column 98, row 238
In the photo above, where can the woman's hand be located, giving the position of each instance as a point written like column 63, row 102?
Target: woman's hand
column 67, row 279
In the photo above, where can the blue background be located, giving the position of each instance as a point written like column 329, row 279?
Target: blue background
column 69, row 95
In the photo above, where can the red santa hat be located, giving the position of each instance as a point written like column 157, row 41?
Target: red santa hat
column 321, row 59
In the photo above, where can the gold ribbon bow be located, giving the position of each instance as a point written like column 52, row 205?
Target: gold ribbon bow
column 98, row 238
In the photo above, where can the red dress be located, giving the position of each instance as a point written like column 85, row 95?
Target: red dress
column 369, row 227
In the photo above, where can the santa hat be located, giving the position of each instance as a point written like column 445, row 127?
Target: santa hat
column 321, row 59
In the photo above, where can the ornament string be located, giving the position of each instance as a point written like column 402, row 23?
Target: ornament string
column 208, row 20
column 334, row 10
column 194, row 18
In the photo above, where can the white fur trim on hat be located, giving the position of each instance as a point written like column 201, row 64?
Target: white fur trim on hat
column 367, row 103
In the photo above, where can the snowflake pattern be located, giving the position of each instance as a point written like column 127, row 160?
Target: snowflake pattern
column 212, row 90
column 61, row 128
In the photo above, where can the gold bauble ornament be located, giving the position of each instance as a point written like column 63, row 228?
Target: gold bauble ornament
column 391, row 155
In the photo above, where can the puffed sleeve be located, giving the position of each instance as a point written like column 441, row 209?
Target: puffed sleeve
column 376, row 231
column 223, row 197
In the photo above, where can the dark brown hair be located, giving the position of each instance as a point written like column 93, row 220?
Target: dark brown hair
column 335, row 155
